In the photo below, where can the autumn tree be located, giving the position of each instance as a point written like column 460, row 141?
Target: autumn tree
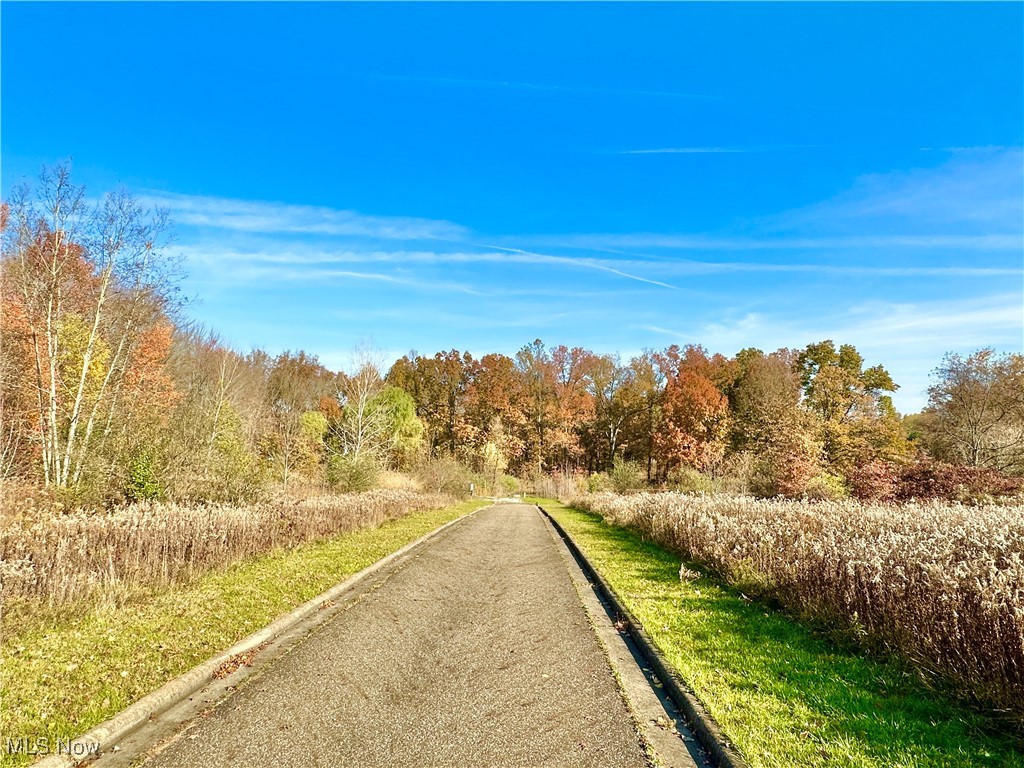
column 18, row 412
column 647, row 379
column 886, row 436
column 557, row 403
column 221, row 422
column 769, row 427
column 572, row 369
column 976, row 411
column 846, row 398
column 438, row 386
column 540, row 400
column 403, row 430
column 377, row 422
column 616, row 401
column 495, row 390
column 132, row 435
column 88, row 282
column 766, row 393
column 494, row 454
column 295, row 383
column 695, row 417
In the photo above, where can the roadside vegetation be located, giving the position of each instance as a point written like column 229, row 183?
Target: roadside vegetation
column 111, row 395
column 52, row 560
column 147, row 467
column 940, row 585
column 63, row 672
column 784, row 694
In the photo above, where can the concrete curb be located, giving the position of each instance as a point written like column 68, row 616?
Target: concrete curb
column 704, row 727
column 122, row 724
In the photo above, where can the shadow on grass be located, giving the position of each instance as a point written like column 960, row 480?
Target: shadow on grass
column 783, row 693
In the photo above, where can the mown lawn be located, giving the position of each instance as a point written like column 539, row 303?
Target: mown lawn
column 782, row 694
column 61, row 675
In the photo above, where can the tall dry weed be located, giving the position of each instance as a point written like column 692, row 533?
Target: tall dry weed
column 59, row 559
column 940, row 584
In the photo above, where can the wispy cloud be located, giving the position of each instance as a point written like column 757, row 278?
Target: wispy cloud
column 938, row 325
column 977, row 193
column 909, row 338
column 578, row 262
column 409, row 281
column 254, row 271
column 282, row 218
column 982, row 148
column 312, row 258
column 772, row 241
column 295, row 262
column 973, row 202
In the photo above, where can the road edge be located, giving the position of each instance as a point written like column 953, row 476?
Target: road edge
column 96, row 740
column 704, row 726
column 663, row 730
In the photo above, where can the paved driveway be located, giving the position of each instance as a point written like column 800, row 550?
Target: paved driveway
column 476, row 652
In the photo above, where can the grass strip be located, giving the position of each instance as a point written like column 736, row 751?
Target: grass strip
column 62, row 675
column 782, row 694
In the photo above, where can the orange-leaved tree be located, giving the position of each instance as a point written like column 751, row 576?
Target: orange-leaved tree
column 88, row 282
column 695, row 413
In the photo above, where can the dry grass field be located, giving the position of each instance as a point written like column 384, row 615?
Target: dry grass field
column 940, row 585
column 51, row 559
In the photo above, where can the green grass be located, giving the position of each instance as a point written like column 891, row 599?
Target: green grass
column 61, row 675
column 782, row 694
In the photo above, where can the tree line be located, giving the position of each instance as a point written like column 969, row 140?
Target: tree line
column 110, row 393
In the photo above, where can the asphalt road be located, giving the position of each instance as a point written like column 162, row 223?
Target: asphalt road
column 476, row 652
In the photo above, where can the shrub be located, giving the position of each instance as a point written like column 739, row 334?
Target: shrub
column 826, row 487
column 874, row 481
column 352, row 474
column 931, row 480
column 142, row 483
column 227, row 472
column 689, row 480
column 509, row 485
column 626, row 476
column 446, row 475
column 935, row 480
column 783, row 470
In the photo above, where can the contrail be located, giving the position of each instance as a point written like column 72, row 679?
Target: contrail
column 576, row 263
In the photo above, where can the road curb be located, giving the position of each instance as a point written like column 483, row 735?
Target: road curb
column 703, row 725
column 82, row 748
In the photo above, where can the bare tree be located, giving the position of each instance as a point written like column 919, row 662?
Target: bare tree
column 977, row 410
column 362, row 429
column 134, row 285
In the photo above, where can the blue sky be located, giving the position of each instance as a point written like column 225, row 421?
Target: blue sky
column 615, row 176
